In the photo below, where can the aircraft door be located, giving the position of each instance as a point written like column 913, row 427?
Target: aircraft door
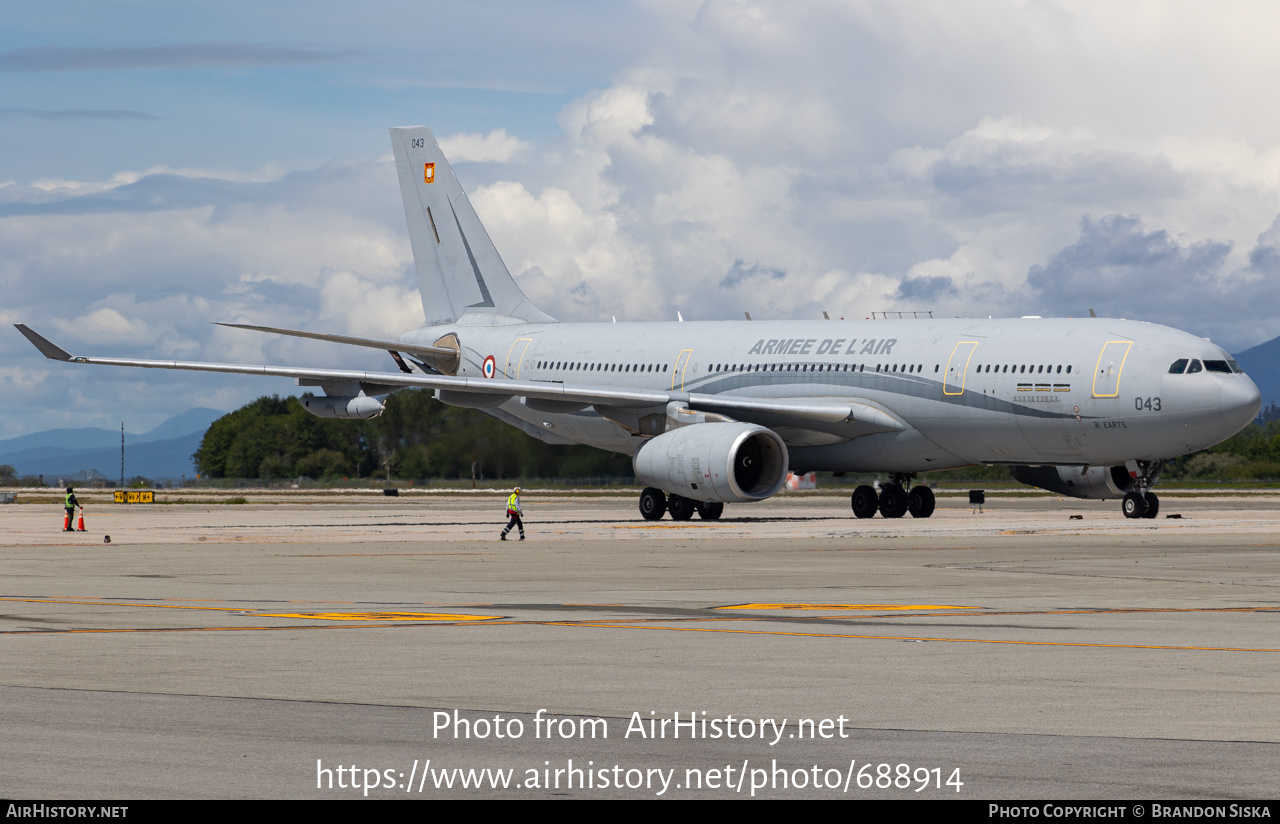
column 677, row 374
column 515, row 356
column 1106, row 375
column 958, row 367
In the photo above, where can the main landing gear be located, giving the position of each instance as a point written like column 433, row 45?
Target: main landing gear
column 894, row 500
column 654, row 503
column 1141, row 502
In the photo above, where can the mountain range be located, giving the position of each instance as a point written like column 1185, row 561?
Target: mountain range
column 1262, row 363
column 164, row 452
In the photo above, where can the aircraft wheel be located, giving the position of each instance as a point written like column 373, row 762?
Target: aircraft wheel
column 1134, row 505
column 920, row 502
column 864, row 502
column 893, row 502
column 653, row 503
column 1153, row 505
column 681, row 508
column 710, row 510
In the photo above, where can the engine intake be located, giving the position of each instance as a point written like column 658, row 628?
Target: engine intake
column 725, row 462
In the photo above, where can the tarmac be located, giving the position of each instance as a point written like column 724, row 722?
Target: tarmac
column 343, row 646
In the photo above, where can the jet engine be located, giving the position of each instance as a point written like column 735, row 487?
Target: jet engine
column 343, row 407
column 725, row 462
column 1077, row 481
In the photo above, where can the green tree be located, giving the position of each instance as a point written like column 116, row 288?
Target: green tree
column 420, row 438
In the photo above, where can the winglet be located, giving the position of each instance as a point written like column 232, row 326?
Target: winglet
column 47, row 347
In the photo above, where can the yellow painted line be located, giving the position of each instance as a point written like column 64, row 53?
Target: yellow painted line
column 1131, row 610
column 916, row 638
column 861, row 607
column 376, row 616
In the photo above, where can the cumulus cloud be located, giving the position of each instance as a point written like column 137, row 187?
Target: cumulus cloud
column 987, row 158
column 496, row 147
column 911, row 156
column 108, row 269
column 105, row 325
column 1125, row 270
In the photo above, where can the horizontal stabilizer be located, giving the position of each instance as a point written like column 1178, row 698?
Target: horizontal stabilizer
column 372, row 343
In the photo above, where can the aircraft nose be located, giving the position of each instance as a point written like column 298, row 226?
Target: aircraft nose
column 1239, row 401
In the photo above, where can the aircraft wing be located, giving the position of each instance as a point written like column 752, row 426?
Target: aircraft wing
column 839, row 418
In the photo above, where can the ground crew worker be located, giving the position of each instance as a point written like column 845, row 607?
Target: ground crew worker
column 71, row 503
column 513, row 512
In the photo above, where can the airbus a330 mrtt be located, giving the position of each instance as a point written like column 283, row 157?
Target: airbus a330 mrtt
column 718, row 412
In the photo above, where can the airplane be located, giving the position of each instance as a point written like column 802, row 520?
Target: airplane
column 718, row 412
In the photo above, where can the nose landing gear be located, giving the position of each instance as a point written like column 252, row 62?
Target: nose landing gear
column 1141, row 502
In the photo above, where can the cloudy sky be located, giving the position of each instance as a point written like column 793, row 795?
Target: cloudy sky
column 167, row 165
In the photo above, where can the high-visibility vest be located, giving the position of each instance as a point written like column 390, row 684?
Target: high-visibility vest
column 69, row 504
column 513, row 504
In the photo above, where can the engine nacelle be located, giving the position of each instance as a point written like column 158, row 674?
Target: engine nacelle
column 1093, row 482
column 342, row 407
column 726, row 462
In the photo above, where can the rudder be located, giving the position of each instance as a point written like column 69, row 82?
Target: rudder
column 459, row 269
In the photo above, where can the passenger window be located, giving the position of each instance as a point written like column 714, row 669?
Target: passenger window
column 1179, row 366
column 1194, row 367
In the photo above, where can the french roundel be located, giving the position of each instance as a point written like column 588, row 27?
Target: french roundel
column 490, row 366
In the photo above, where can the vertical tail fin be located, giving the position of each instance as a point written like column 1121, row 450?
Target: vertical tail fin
column 459, row 269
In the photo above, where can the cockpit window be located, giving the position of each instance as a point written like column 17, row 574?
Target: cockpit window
column 1179, row 366
column 1235, row 366
column 1194, row 367
column 1217, row 366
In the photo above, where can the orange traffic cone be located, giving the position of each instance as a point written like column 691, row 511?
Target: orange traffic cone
column 80, row 523
column 66, row 522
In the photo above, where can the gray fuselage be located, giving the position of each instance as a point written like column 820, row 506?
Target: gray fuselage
column 1089, row 391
